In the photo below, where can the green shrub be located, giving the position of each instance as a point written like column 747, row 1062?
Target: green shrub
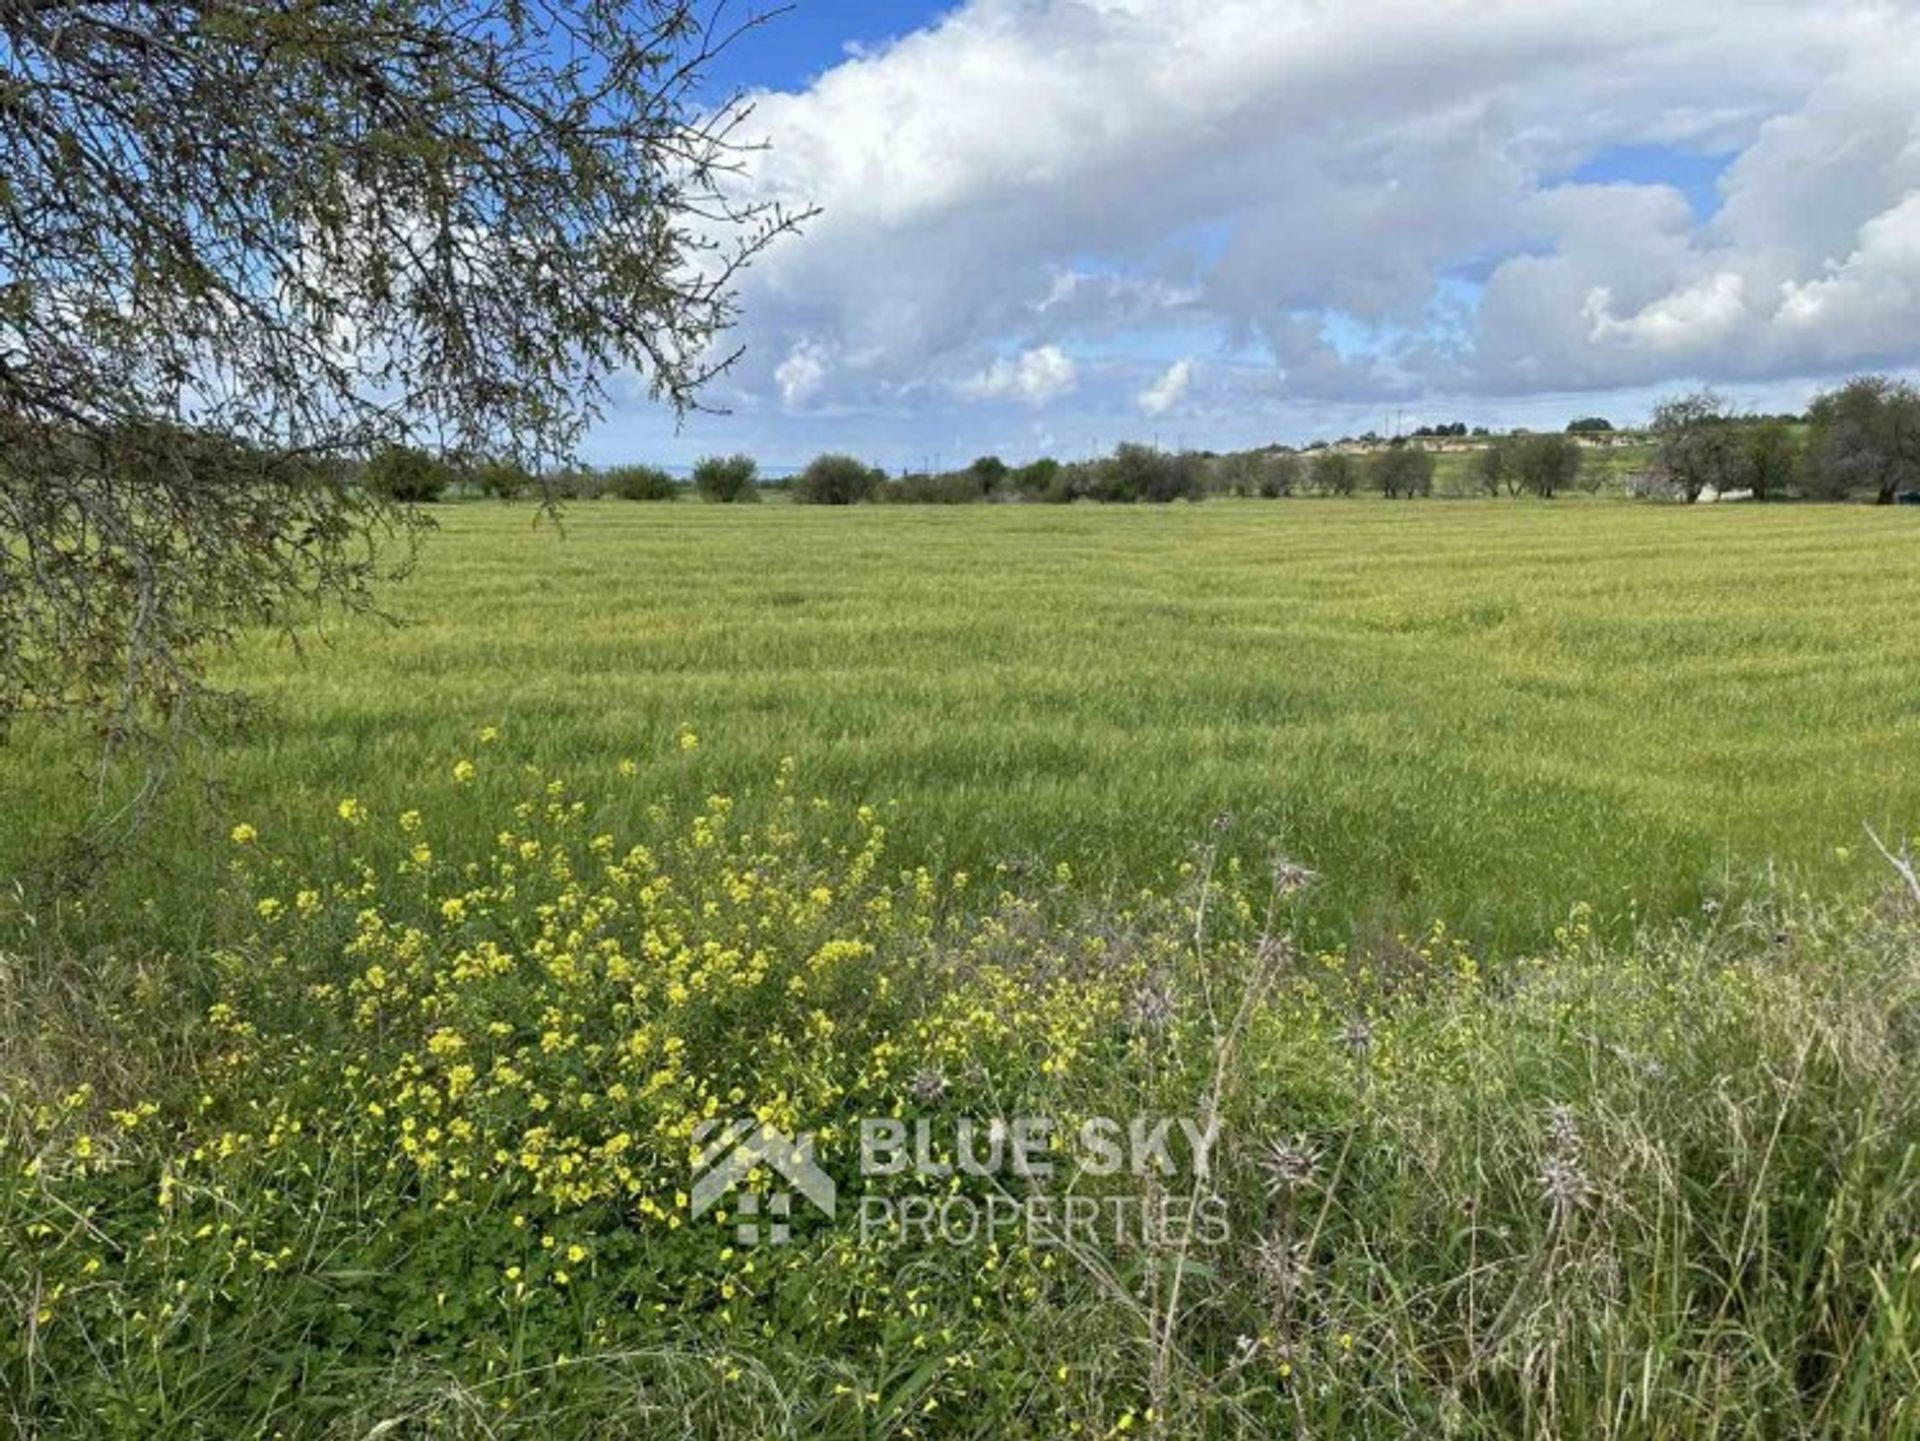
column 504, row 480
column 835, row 480
column 1034, row 478
column 727, row 479
column 640, row 482
column 407, row 475
column 1144, row 473
column 576, row 483
column 954, row 488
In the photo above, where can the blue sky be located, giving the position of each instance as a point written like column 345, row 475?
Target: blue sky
column 1050, row 225
column 793, row 46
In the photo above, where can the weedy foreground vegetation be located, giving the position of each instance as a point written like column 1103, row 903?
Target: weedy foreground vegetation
column 1427, row 855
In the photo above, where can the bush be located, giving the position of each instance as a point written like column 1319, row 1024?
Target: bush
column 1143, row 473
column 1036, row 478
column 988, row 472
column 641, row 482
column 954, row 488
column 576, row 483
column 727, row 479
column 407, row 475
column 504, row 480
column 835, row 480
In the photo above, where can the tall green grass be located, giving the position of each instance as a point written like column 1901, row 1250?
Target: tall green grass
column 1477, row 711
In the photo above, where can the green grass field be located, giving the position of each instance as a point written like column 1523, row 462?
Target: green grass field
column 1482, row 712
column 364, row 1095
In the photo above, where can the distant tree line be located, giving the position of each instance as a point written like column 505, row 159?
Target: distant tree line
column 1859, row 440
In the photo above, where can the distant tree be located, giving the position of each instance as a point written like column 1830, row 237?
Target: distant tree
column 1547, row 464
column 988, row 472
column 1265, row 473
column 1335, row 473
column 1696, row 445
column 1865, row 436
column 958, row 487
column 1036, row 477
column 835, row 480
column 640, row 482
column 574, row 482
column 726, row 479
column 1769, row 457
column 1589, row 425
column 1235, row 474
column 1402, row 471
column 504, row 479
column 245, row 247
column 407, row 475
column 1278, row 474
column 1494, row 468
column 1144, row 473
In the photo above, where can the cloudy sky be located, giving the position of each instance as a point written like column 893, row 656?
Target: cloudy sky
column 1050, row 225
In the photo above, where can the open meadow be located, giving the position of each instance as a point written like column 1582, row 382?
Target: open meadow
column 1478, row 712
column 371, row 1090
column 637, row 803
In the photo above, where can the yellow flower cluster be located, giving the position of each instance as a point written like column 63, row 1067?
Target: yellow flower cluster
column 547, row 1024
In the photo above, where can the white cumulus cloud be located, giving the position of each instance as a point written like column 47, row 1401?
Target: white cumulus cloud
column 1333, row 206
column 1168, row 391
column 1035, row 376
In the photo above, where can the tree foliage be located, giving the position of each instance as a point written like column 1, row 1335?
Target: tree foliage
column 1866, row 436
column 1769, row 457
column 407, row 474
column 1544, row 465
column 1335, row 473
column 835, row 480
column 641, row 482
column 242, row 246
column 727, row 479
column 1696, row 445
column 1401, row 470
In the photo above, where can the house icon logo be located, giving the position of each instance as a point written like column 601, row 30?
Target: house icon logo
column 727, row 1152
